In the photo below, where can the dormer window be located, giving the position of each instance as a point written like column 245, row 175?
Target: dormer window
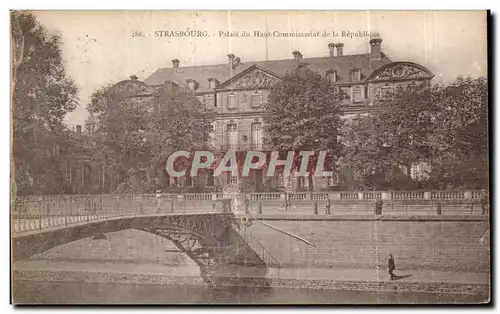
column 192, row 84
column 355, row 75
column 331, row 76
column 213, row 83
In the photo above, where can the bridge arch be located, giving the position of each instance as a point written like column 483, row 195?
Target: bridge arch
column 210, row 240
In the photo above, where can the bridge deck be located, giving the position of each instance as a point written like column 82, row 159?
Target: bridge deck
column 47, row 224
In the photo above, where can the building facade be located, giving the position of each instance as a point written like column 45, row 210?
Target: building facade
column 237, row 91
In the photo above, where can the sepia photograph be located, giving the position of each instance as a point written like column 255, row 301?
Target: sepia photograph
column 249, row 157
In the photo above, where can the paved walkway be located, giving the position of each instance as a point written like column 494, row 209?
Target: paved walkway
column 340, row 274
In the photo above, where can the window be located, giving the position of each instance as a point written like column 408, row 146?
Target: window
column 357, row 94
column 231, row 179
column 231, row 101
column 208, row 100
column 345, row 92
column 412, row 86
column 280, row 179
column 420, row 171
column 210, row 177
column 331, row 76
column 232, row 136
column 256, row 135
column 355, row 75
column 213, row 83
column 301, row 183
column 385, row 92
column 55, row 150
column 192, row 84
column 189, row 180
column 256, row 100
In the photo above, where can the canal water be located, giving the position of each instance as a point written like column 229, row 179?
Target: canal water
column 30, row 292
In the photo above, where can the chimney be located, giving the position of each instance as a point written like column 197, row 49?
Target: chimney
column 78, row 129
column 230, row 57
column 340, row 49
column 331, row 46
column 297, row 56
column 376, row 48
column 237, row 61
column 133, row 77
column 175, row 63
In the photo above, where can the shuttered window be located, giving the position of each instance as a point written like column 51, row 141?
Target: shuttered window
column 357, row 94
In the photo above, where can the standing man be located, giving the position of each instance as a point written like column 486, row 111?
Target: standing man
column 287, row 202
column 484, row 201
column 392, row 266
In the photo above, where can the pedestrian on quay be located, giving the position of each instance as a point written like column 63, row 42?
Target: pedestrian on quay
column 484, row 201
column 287, row 202
column 392, row 266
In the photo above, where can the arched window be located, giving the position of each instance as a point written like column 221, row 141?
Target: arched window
column 232, row 136
column 256, row 135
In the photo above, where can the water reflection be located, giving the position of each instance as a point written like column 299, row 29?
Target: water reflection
column 97, row 293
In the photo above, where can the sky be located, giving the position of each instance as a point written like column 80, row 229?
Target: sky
column 99, row 47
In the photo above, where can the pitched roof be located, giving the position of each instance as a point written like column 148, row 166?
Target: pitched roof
column 342, row 64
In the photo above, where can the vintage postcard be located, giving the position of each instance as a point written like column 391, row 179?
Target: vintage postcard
column 250, row 157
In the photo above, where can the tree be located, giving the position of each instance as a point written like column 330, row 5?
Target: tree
column 444, row 126
column 461, row 137
column 136, row 138
column 393, row 136
column 42, row 94
column 303, row 114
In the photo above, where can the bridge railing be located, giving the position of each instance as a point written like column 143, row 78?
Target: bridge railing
column 41, row 211
column 33, row 213
column 259, row 248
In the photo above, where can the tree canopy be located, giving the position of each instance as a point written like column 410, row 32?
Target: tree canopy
column 303, row 114
column 136, row 136
column 42, row 94
column 443, row 126
column 461, row 137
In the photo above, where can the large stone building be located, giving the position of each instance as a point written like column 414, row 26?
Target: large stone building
column 237, row 90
